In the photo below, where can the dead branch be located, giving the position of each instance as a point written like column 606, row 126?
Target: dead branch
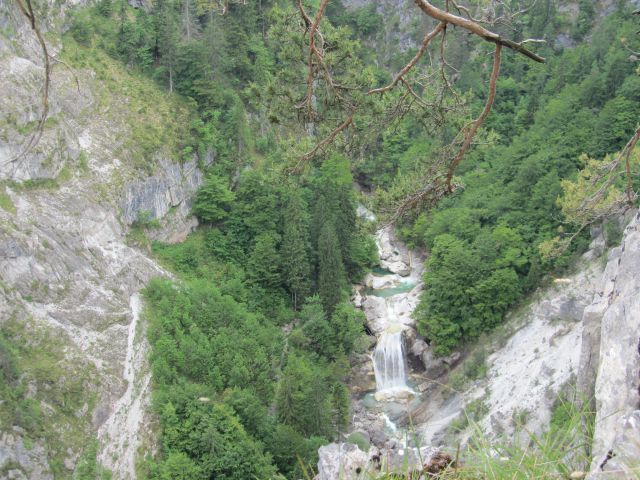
column 425, row 43
column 478, row 121
column 328, row 139
column 616, row 208
column 475, row 28
column 305, row 17
column 66, row 65
column 27, row 11
column 628, row 149
column 439, row 183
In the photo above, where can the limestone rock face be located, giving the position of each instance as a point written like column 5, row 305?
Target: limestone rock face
column 168, row 191
column 538, row 354
column 618, row 371
column 67, row 266
column 624, row 460
column 22, row 462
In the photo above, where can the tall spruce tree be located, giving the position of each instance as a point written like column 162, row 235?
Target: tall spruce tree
column 331, row 273
column 296, row 268
column 262, row 266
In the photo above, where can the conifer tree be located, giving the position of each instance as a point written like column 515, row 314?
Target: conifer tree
column 167, row 33
column 296, row 268
column 263, row 262
column 331, row 274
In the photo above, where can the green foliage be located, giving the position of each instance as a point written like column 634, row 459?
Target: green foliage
column 34, row 368
column 294, row 253
column 303, row 400
column 213, row 200
column 263, row 262
column 493, row 241
column 358, row 439
column 332, row 336
column 6, row 203
column 612, row 233
column 331, row 275
column 88, row 467
column 207, row 441
column 81, row 29
column 234, row 397
column 475, row 367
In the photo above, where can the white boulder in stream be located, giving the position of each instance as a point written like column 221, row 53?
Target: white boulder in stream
column 394, row 256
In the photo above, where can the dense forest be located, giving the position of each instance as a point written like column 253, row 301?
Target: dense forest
column 251, row 341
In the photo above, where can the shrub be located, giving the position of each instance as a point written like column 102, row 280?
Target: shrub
column 359, row 439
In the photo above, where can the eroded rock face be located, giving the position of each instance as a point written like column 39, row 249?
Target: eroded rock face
column 19, row 462
column 538, row 356
column 618, row 372
column 66, row 265
column 623, row 459
column 167, row 193
column 341, row 461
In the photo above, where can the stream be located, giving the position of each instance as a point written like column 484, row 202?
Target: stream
column 388, row 296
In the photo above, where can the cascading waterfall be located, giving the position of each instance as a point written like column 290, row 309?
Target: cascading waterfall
column 389, row 362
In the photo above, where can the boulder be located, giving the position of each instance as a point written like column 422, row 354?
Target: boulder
column 434, row 366
column 344, row 461
column 341, row 461
column 375, row 309
column 408, row 459
column 418, row 347
column 357, row 299
column 378, row 436
column 398, row 267
column 394, row 256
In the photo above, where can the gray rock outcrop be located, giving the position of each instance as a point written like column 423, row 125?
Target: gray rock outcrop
column 616, row 347
column 21, row 462
column 394, row 255
column 528, row 365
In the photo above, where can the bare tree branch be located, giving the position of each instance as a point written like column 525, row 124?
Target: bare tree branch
column 425, row 43
column 478, row 121
column 439, row 179
column 475, row 28
column 27, row 11
column 328, row 139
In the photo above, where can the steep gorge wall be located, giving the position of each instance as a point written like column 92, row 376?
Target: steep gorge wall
column 611, row 370
column 69, row 277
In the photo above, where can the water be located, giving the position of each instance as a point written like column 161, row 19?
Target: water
column 392, row 427
column 403, row 287
column 389, row 363
column 380, row 272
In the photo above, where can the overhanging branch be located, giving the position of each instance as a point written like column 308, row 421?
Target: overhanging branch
column 475, row 28
column 468, row 137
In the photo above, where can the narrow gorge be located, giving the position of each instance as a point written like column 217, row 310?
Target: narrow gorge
column 191, row 287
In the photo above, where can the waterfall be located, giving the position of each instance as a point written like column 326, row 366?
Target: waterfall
column 389, row 362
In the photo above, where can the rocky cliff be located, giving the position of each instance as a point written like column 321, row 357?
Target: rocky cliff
column 612, row 348
column 74, row 210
